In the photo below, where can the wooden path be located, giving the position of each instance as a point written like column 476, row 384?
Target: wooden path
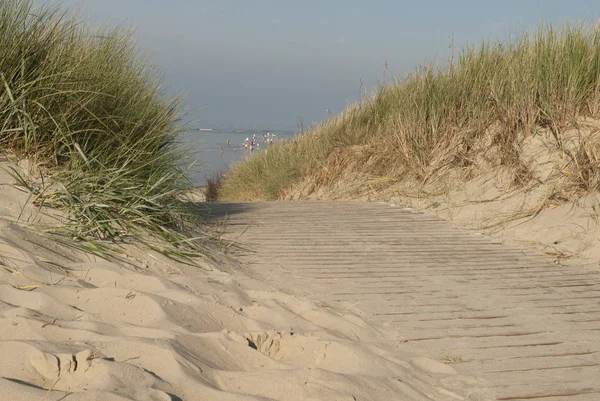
column 529, row 327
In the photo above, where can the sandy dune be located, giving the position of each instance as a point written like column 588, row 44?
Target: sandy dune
column 77, row 327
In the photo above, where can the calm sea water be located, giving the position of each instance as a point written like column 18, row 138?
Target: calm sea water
column 205, row 148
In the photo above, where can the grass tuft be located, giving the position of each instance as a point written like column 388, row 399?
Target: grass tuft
column 213, row 187
column 468, row 116
column 91, row 112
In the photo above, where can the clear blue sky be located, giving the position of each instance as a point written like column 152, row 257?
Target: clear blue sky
column 266, row 63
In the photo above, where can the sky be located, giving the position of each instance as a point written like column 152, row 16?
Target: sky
column 272, row 64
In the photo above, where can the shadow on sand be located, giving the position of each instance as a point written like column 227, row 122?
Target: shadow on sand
column 214, row 212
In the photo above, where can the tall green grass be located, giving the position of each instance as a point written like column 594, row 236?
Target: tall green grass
column 91, row 111
column 434, row 120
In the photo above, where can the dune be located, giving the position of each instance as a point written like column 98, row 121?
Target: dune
column 74, row 326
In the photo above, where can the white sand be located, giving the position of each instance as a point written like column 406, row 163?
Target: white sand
column 533, row 217
column 567, row 230
column 77, row 327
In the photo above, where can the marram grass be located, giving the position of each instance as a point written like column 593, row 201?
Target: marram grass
column 438, row 119
column 90, row 110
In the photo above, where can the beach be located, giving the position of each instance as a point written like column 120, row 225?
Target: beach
column 142, row 326
column 213, row 150
column 437, row 239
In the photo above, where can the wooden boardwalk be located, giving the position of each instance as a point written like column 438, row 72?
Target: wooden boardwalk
column 529, row 327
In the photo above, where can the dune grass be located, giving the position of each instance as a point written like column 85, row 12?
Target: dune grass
column 91, row 112
column 475, row 111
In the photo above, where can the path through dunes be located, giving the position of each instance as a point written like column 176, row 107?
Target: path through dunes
column 528, row 327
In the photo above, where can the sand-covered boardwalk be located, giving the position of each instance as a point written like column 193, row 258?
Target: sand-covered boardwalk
column 526, row 326
column 139, row 326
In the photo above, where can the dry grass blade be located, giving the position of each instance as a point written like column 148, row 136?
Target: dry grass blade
column 464, row 118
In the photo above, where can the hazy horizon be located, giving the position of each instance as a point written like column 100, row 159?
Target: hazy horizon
column 269, row 64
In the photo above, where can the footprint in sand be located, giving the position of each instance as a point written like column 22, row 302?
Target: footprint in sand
column 83, row 371
column 52, row 366
column 315, row 351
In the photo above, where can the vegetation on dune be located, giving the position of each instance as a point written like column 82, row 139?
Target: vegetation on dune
column 91, row 112
column 475, row 111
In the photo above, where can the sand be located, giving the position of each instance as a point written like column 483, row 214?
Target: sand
column 515, row 323
column 533, row 216
column 543, row 215
column 74, row 326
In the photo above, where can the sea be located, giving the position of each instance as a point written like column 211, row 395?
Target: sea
column 203, row 146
